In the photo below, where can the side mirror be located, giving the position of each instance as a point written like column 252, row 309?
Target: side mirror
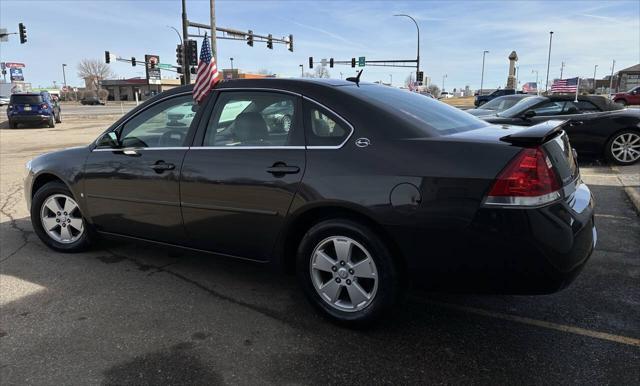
column 529, row 114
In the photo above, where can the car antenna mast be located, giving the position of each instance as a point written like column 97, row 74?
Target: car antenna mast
column 355, row 79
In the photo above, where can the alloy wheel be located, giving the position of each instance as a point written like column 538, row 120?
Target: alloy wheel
column 626, row 147
column 344, row 274
column 61, row 219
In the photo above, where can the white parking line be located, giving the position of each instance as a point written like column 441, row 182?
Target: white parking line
column 544, row 324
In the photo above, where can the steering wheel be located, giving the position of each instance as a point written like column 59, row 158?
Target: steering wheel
column 172, row 138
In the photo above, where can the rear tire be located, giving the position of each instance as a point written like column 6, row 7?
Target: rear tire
column 13, row 125
column 354, row 288
column 54, row 205
column 623, row 148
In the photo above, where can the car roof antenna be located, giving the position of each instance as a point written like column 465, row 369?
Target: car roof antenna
column 355, row 79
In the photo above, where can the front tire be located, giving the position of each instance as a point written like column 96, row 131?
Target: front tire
column 57, row 220
column 347, row 272
column 623, row 148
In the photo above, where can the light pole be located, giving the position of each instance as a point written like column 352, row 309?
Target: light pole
column 561, row 70
column 443, row 78
column 231, row 59
column 485, row 52
column 64, row 77
column 302, row 71
column 595, row 68
column 537, row 88
column 546, row 85
column 613, row 65
column 517, row 76
column 418, row 54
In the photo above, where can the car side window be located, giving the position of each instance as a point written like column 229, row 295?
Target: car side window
column 165, row 124
column 550, row 108
column 252, row 118
column 324, row 128
column 586, row 106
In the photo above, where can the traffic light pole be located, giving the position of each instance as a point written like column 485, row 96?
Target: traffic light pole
column 185, row 35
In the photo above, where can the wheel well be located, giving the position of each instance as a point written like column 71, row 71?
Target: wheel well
column 41, row 180
column 299, row 227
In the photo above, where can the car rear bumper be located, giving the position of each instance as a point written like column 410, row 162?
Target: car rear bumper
column 30, row 118
column 505, row 250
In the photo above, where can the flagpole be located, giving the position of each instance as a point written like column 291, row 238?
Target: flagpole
column 214, row 48
column 577, row 90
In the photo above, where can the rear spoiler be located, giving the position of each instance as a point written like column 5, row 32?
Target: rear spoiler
column 536, row 135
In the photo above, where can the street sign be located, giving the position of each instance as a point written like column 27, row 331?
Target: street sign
column 153, row 74
column 16, row 74
column 165, row 66
column 361, row 61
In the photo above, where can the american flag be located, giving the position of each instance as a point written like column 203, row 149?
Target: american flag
column 530, row 87
column 208, row 74
column 565, row 85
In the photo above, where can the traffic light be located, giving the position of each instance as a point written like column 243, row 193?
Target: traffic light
column 291, row 43
column 310, row 61
column 179, row 54
column 23, row 33
column 330, row 62
column 270, row 42
column 133, row 61
column 179, row 70
column 107, row 57
column 192, row 52
column 353, row 62
column 420, row 76
column 250, row 38
column 193, row 70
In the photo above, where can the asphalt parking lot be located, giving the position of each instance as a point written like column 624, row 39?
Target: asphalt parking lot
column 131, row 314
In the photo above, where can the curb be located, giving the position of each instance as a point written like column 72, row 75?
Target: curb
column 634, row 196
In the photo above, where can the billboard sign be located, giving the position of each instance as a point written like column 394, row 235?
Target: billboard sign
column 14, row 65
column 153, row 73
column 16, row 74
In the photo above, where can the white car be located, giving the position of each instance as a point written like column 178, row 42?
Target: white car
column 445, row 95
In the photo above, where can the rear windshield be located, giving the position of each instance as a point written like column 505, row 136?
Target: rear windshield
column 428, row 116
column 26, row 99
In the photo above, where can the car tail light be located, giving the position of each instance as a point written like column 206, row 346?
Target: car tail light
column 528, row 180
column 44, row 106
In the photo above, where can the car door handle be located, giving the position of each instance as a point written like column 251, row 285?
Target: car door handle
column 161, row 166
column 575, row 123
column 281, row 169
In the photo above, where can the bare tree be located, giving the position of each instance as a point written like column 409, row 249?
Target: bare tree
column 93, row 71
column 321, row 72
column 434, row 90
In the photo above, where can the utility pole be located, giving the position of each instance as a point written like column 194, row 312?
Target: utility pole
column 185, row 33
column 64, row 77
column 613, row 65
column 214, row 48
column 443, row 78
column 561, row 69
column 546, row 85
column 482, row 76
column 595, row 68
column 418, row 54
column 302, row 71
column 231, row 59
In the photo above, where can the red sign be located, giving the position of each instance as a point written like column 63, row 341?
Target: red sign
column 14, row 65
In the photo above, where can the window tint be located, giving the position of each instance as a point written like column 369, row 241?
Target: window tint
column 26, row 99
column 165, row 124
column 252, row 118
column 585, row 106
column 326, row 129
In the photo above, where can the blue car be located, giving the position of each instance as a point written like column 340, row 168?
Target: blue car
column 33, row 108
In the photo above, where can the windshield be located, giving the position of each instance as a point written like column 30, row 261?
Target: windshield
column 500, row 104
column 429, row 116
column 26, row 99
column 522, row 106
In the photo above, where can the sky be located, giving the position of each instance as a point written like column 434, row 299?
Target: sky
column 453, row 35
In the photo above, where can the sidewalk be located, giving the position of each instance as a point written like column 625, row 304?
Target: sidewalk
column 629, row 177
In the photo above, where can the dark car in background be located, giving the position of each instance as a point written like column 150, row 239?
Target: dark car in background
column 482, row 99
column 92, row 101
column 596, row 126
column 33, row 108
column 497, row 105
column 359, row 211
column 631, row 97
